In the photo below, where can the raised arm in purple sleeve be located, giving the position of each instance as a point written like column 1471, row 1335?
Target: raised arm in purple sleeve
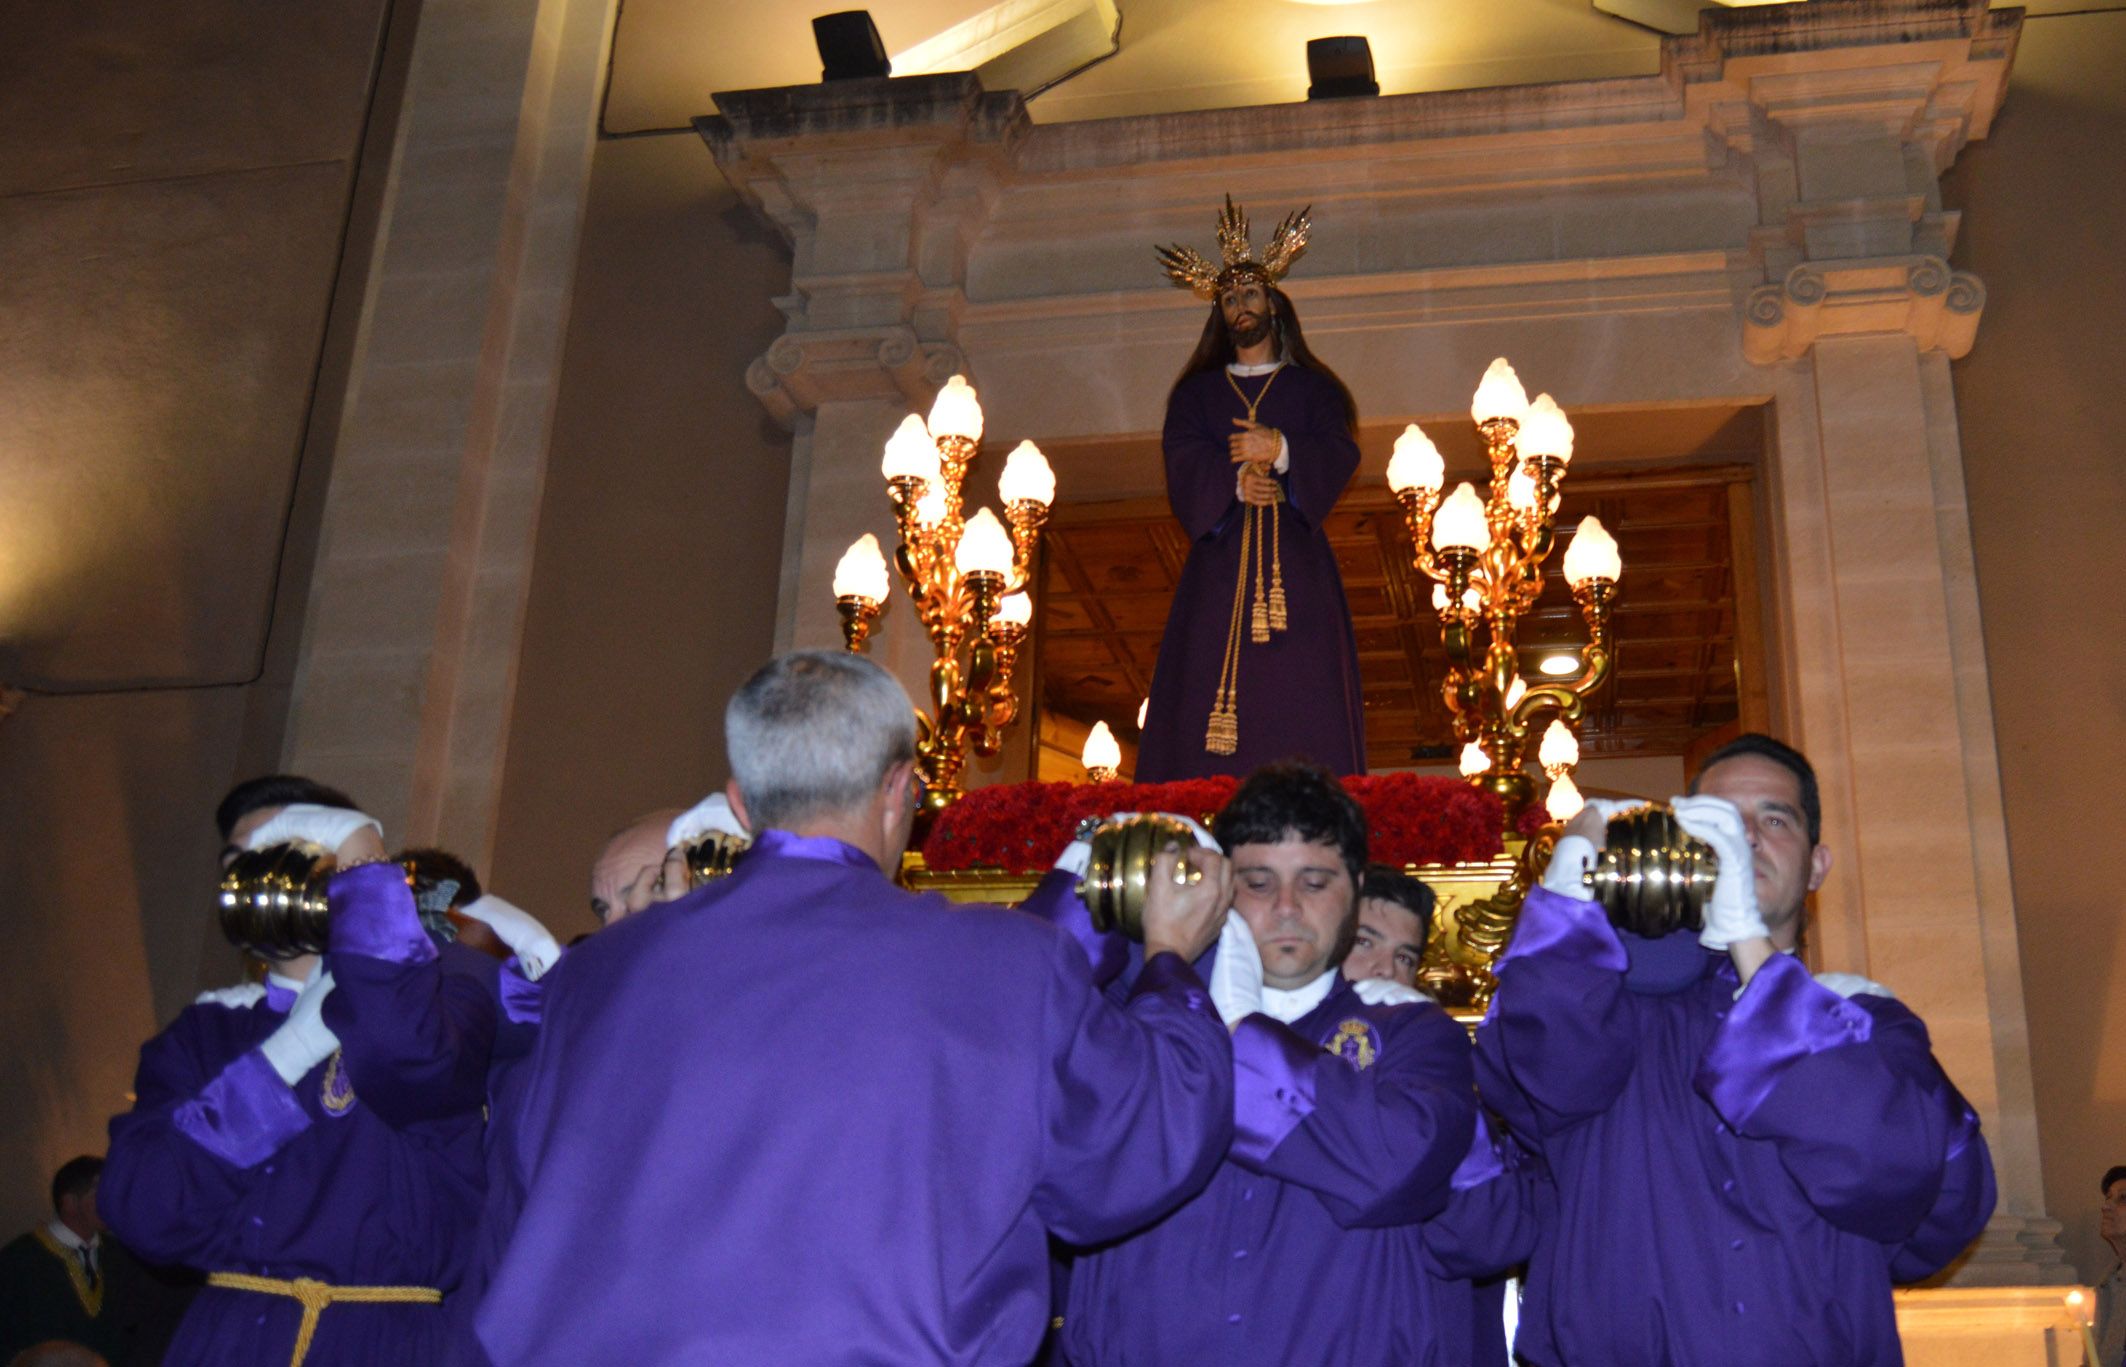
column 1558, row 1044
column 1848, row 1090
column 416, row 1032
column 1376, row 1144
column 1139, row 1103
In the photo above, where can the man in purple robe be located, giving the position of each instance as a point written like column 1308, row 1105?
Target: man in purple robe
column 801, row 1115
column 1259, row 443
column 314, row 1146
column 1746, row 1157
column 1354, row 1109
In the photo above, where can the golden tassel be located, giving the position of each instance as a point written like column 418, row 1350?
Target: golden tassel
column 1259, row 619
column 1222, row 735
column 1277, row 610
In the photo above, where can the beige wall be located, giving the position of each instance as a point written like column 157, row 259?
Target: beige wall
column 654, row 580
column 181, row 230
column 2043, row 454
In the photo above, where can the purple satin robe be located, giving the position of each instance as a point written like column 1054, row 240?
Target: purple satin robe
column 223, row 1167
column 1308, row 1244
column 1299, row 692
column 803, row 1116
column 1739, row 1179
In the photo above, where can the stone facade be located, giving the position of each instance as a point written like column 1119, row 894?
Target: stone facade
column 1759, row 222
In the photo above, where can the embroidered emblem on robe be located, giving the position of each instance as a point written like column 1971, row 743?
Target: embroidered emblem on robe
column 1356, row 1042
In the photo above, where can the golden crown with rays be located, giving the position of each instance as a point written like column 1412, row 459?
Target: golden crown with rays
column 1188, row 268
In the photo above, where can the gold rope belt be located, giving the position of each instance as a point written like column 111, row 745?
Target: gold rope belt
column 315, row 1295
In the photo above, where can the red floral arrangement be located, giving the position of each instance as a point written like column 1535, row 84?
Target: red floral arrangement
column 1022, row 827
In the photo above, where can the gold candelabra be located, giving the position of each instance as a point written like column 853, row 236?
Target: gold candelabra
column 1486, row 557
column 966, row 576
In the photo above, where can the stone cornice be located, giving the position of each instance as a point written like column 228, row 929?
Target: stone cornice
column 1920, row 295
column 915, row 205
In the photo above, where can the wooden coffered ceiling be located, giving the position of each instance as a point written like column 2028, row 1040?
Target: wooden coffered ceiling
column 1682, row 528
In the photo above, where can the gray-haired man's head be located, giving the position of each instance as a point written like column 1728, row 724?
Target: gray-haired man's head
column 813, row 734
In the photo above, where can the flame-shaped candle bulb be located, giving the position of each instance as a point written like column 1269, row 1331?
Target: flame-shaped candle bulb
column 910, row 453
column 930, row 508
column 956, row 413
column 1563, row 801
column 1474, row 760
column 1498, row 395
column 1592, row 554
column 1545, row 431
column 861, row 572
column 1416, row 463
column 1520, row 490
column 1102, row 756
column 1016, row 609
column 1027, row 477
column 1460, row 522
column 985, row 547
column 1560, row 748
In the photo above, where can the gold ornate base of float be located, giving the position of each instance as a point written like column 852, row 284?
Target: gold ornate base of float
column 1477, row 905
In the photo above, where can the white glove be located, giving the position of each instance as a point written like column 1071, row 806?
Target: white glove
column 1853, row 985
column 1077, row 856
column 1731, row 916
column 235, row 998
column 1236, row 976
column 302, row 1041
column 535, row 947
column 1386, row 992
column 712, row 813
column 325, row 827
column 1566, row 873
column 1574, row 855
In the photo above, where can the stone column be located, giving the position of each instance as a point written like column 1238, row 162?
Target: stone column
column 879, row 186
column 408, row 658
column 1886, row 679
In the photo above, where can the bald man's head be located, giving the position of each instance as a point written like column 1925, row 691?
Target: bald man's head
column 624, row 878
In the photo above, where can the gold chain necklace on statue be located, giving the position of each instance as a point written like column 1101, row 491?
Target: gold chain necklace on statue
column 1258, row 541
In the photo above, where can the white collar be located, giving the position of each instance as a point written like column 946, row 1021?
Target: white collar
column 68, row 1239
column 1246, row 371
column 1287, row 1006
column 283, row 982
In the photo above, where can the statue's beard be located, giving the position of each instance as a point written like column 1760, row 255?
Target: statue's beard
column 1250, row 329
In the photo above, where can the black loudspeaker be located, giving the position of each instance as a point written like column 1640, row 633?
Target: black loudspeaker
column 849, row 46
column 1338, row 67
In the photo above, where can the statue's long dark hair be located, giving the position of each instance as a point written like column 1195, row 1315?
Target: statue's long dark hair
column 1215, row 351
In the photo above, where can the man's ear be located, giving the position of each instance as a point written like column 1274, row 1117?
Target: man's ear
column 899, row 787
column 738, row 806
column 1819, row 866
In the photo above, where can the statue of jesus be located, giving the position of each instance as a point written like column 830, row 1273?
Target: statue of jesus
column 1258, row 662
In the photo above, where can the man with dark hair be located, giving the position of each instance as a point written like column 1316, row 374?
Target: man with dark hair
column 313, row 1145
column 1786, row 1143
column 262, row 797
column 801, row 1115
column 1258, row 660
column 1394, row 921
column 52, row 1278
column 2111, row 1292
column 1350, row 1120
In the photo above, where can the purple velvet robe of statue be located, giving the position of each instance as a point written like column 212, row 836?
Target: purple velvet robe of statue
column 803, row 1116
column 1308, row 1245
column 1299, row 693
column 1739, row 1179
column 223, row 1167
